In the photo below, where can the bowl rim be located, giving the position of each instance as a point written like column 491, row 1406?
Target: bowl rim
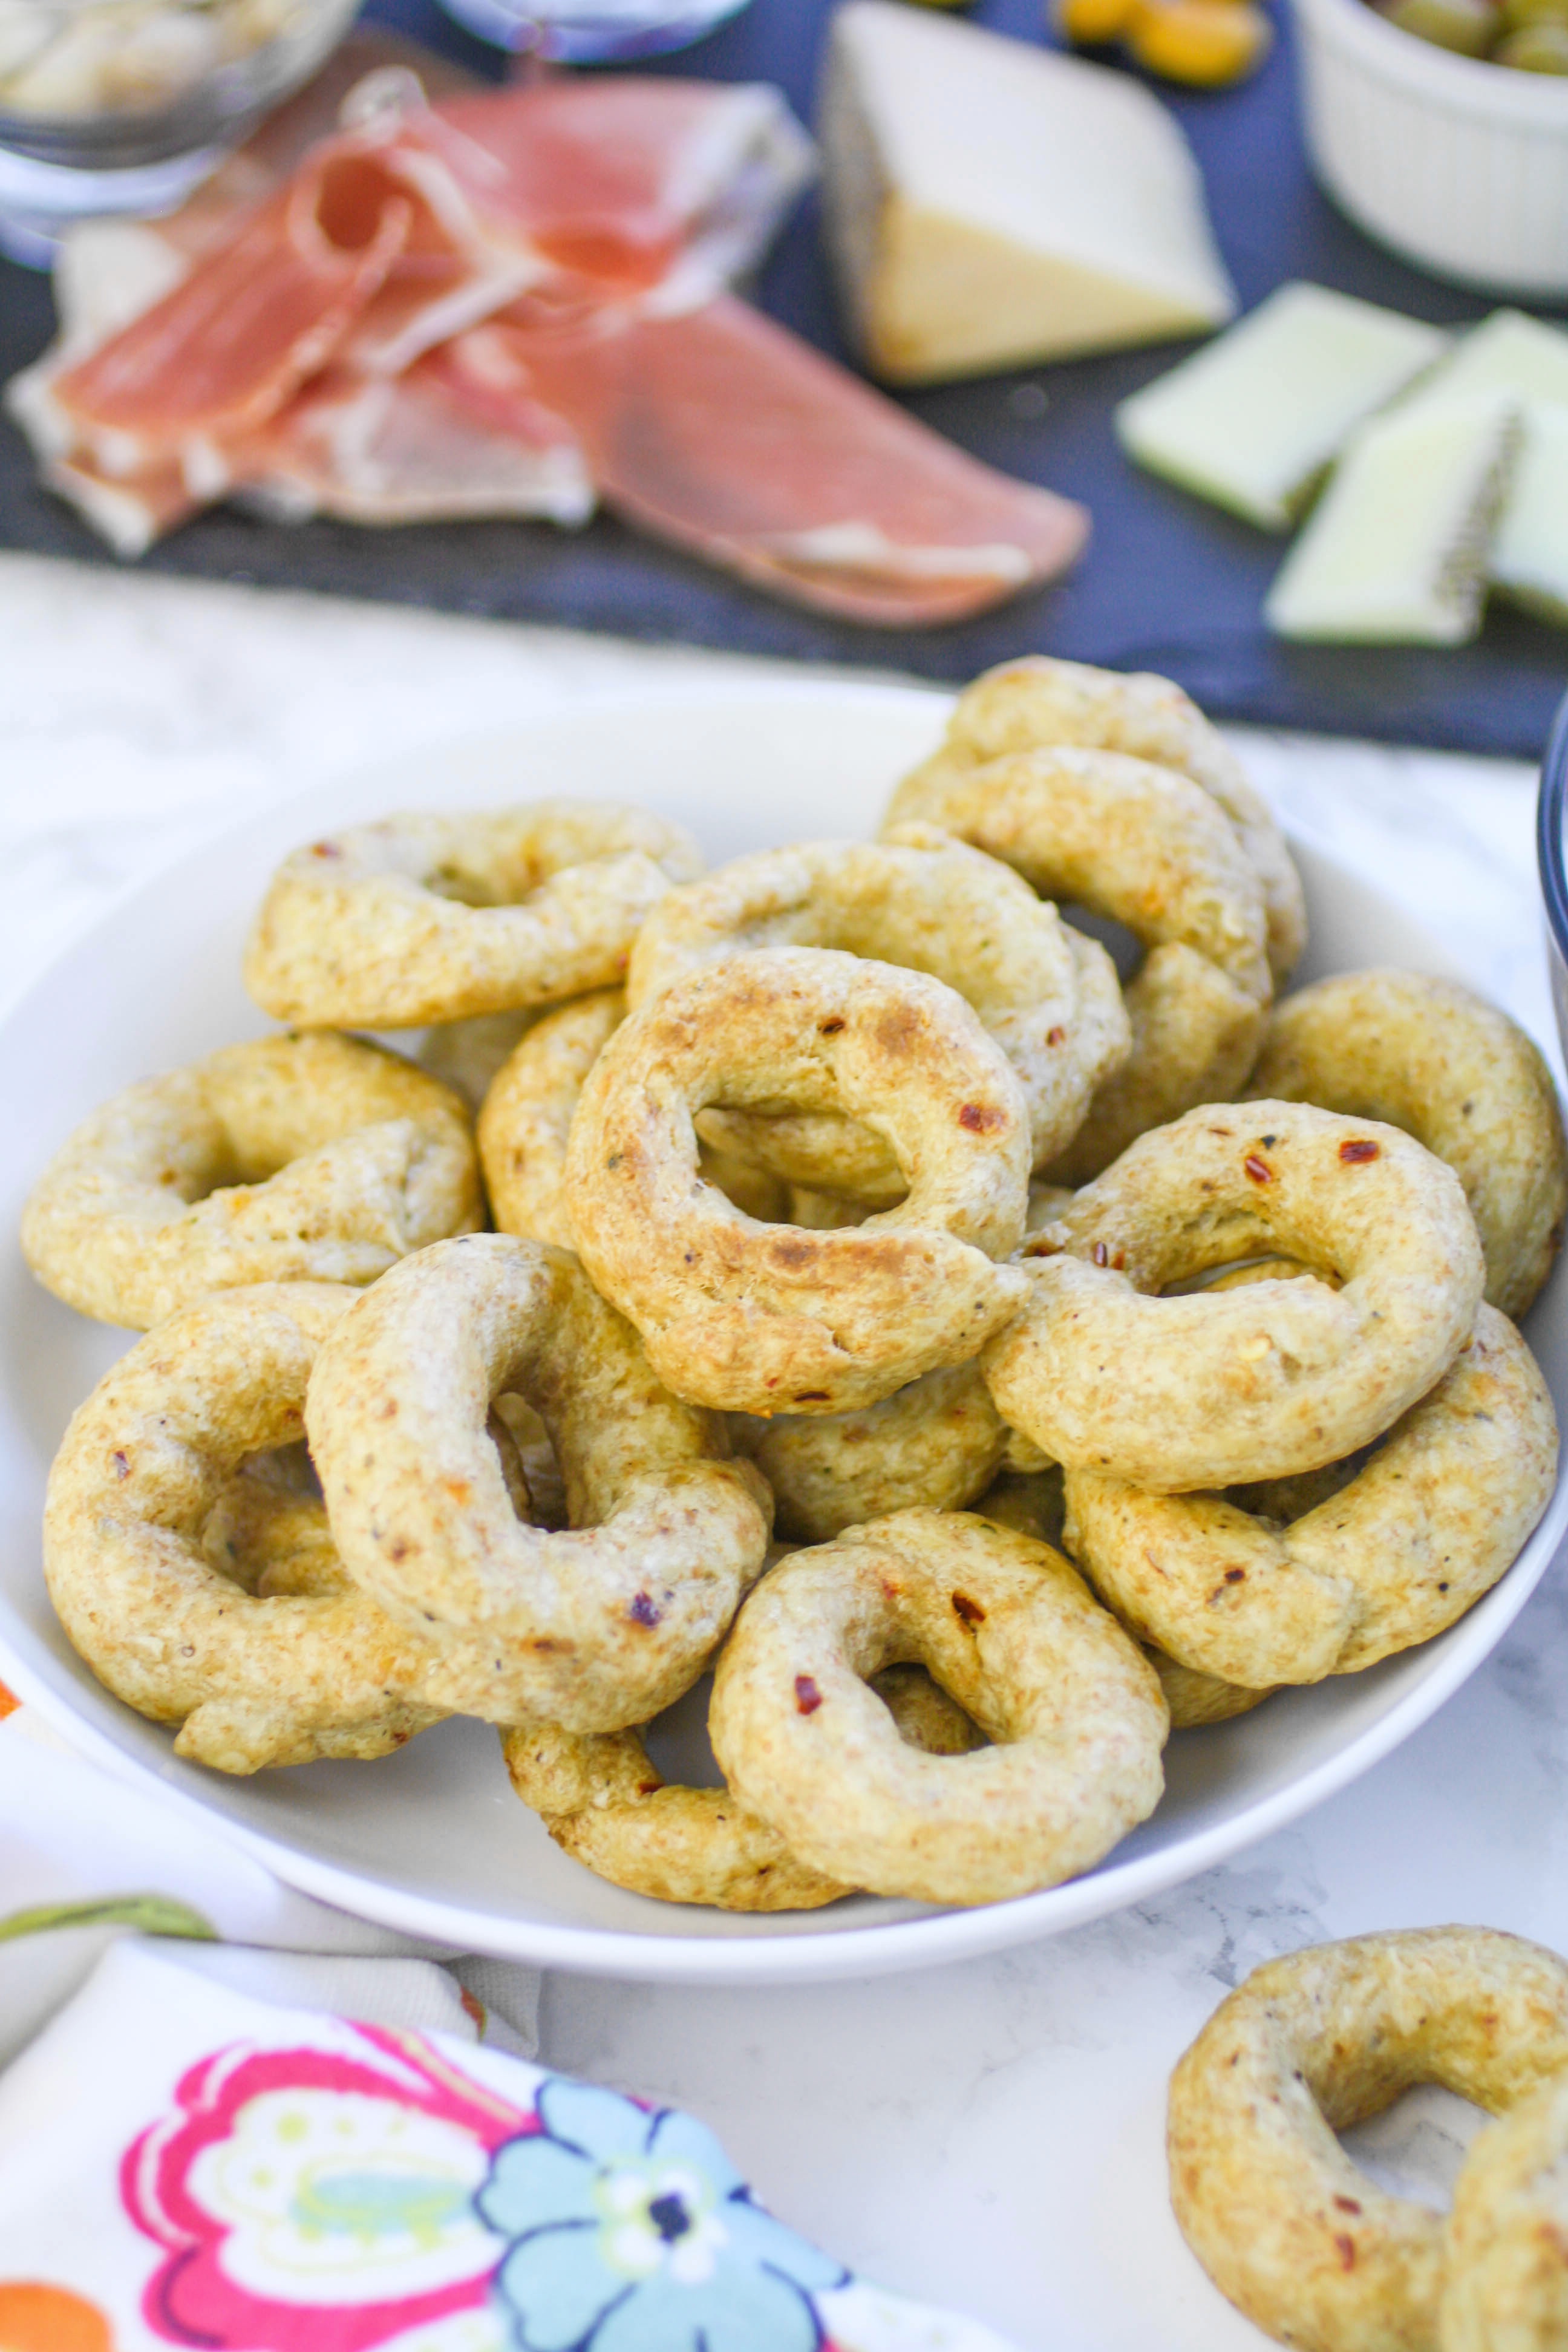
column 1459, row 85
column 1551, row 807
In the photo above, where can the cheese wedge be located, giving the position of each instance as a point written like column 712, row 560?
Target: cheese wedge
column 1252, row 421
column 1508, row 352
column 1397, row 549
column 991, row 203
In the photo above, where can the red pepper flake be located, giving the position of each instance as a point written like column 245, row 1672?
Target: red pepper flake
column 980, row 1117
column 829, row 1028
column 1235, row 1575
column 812, row 1396
column 643, row 1610
column 1359, row 1149
column 1344, row 2246
column 807, row 1698
column 325, row 849
column 122, row 1465
column 1347, row 2204
column 1056, row 1036
column 967, row 1611
column 1259, row 1170
column 1100, row 1254
column 652, row 1788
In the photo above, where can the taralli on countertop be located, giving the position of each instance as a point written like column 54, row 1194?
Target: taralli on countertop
column 761, row 1318
column 526, row 1122
column 1144, row 846
column 1286, row 2225
column 315, row 1158
column 1048, row 995
column 160, row 1605
column 1505, row 2246
column 433, row 918
column 605, row 1803
column 1220, row 1387
column 1010, row 1632
column 595, row 1627
column 1460, row 1075
column 1426, row 1526
column 938, row 1443
column 1036, row 702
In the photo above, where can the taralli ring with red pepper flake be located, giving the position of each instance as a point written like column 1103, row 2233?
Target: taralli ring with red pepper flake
column 1037, row 702
column 1506, row 2278
column 170, row 1614
column 1048, row 995
column 760, row 1319
column 1146, row 848
column 1011, row 1632
column 1451, row 1070
column 435, row 918
column 316, row 1159
column 1411, row 1542
column 1220, row 1387
column 594, row 1627
column 1285, row 2224
column 607, row 1806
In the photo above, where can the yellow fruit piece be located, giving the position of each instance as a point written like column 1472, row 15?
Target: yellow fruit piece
column 1091, row 23
column 1205, row 42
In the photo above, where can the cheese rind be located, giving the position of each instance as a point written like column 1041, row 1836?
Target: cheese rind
column 1252, row 421
column 1529, row 554
column 1397, row 549
column 991, row 203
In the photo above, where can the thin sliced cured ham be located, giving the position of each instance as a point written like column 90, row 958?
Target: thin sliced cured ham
column 724, row 433
column 511, row 303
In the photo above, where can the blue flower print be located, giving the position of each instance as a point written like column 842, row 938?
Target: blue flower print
column 632, row 2231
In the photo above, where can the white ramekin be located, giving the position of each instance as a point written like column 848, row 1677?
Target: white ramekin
column 1459, row 165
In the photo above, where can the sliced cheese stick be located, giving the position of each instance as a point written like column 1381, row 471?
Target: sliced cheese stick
column 1252, row 421
column 1396, row 549
column 1529, row 554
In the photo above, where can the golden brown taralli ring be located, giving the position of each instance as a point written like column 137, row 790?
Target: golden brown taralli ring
column 1506, row 2243
column 302, row 1668
column 1046, row 995
column 1460, row 1075
column 1011, row 1632
column 1216, row 1388
column 315, row 1158
column 1285, row 2224
column 435, row 918
column 596, row 1626
column 1391, row 1558
column 762, row 1319
column 1145, row 847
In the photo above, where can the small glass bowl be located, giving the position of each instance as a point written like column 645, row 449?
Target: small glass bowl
column 125, row 105
column 592, row 32
column 1551, row 858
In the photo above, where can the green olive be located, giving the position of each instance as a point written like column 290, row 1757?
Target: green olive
column 1535, row 48
column 1517, row 14
column 1469, row 27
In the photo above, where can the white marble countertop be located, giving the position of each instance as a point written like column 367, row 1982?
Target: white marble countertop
column 990, row 2135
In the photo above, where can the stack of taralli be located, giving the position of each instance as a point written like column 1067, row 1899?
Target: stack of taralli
column 844, row 1187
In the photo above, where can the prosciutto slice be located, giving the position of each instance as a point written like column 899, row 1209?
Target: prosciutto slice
column 511, row 303
column 724, row 433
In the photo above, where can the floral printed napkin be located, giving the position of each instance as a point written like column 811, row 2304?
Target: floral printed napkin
column 184, row 2164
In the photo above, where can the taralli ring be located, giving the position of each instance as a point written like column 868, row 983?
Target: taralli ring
column 1285, row 2224
column 315, row 1158
column 1506, row 2280
column 761, row 1318
column 1147, row 849
column 1037, row 702
column 1451, row 1070
column 1009, row 1631
column 595, row 1627
column 166, row 1615
column 1217, row 1388
column 1046, row 995
column 1419, row 1532
column 435, row 918
column 938, row 1443
column 607, row 1806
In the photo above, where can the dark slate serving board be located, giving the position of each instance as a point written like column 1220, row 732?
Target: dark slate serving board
column 1169, row 583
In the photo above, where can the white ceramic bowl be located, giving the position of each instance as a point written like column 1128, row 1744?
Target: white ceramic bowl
column 432, row 1840
column 1459, row 165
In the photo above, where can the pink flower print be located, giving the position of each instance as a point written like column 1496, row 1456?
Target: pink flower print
column 314, row 2199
